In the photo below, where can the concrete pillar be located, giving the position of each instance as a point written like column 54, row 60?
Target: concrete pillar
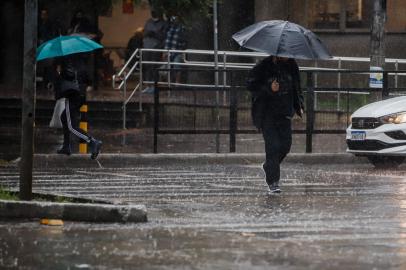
column 377, row 43
column 343, row 15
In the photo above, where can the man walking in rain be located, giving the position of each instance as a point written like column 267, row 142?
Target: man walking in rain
column 276, row 97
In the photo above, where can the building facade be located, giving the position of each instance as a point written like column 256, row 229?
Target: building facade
column 343, row 25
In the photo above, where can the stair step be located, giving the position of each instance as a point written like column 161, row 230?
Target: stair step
column 100, row 113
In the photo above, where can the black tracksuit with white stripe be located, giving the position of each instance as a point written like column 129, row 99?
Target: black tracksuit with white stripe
column 72, row 68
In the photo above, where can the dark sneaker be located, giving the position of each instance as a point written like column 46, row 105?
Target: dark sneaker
column 65, row 150
column 95, row 146
column 274, row 188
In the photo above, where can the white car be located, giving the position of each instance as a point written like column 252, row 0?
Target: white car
column 378, row 131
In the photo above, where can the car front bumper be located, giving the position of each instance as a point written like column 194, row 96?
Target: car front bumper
column 388, row 139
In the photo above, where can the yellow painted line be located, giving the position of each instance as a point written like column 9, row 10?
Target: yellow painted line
column 51, row 222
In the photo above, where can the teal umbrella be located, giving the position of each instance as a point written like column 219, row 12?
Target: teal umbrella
column 66, row 45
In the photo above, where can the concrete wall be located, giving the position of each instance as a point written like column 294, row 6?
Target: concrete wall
column 119, row 28
column 348, row 43
column 358, row 44
column 396, row 16
column 271, row 9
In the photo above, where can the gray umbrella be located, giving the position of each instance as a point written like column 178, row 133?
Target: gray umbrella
column 282, row 38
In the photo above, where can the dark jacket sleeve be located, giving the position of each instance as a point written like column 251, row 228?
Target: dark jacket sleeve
column 255, row 84
column 298, row 96
column 255, row 81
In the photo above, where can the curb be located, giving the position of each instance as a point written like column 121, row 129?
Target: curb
column 73, row 211
column 42, row 161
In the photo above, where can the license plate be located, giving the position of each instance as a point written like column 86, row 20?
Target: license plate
column 358, row 135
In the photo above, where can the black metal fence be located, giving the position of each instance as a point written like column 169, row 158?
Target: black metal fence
column 225, row 109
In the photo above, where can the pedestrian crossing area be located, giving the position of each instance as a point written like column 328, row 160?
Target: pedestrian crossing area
column 141, row 182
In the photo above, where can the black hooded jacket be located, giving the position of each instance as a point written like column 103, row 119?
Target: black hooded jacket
column 283, row 103
column 73, row 67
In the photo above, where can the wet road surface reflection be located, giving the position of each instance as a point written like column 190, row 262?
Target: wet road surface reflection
column 220, row 217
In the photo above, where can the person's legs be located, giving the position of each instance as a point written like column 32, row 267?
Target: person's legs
column 285, row 137
column 65, row 149
column 72, row 107
column 272, row 151
column 277, row 135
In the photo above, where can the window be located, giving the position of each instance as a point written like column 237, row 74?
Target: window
column 340, row 14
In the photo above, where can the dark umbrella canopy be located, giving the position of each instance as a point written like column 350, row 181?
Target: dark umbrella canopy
column 282, row 38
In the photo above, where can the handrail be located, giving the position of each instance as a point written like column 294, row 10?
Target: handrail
column 135, row 64
column 128, row 62
column 132, row 94
column 223, row 64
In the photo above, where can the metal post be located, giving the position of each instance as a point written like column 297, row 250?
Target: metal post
column 309, row 112
column 169, row 72
column 156, row 116
column 315, row 85
column 224, row 78
column 338, row 84
column 233, row 118
column 216, row 75
column 83, row 124
column 141, row 83
column 396, row 74
column 123, row 139
column 28, row 99
column 385, row 89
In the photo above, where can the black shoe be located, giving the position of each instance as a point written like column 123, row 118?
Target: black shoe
column 65, row 150
column 95, row 146
column 274, row 188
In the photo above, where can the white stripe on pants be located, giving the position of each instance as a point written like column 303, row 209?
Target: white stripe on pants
column 69, row 121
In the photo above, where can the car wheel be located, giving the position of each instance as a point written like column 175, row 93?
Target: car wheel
column 386, row 162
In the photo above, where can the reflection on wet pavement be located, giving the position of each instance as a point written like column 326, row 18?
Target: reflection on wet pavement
column 48, row 140
column 220, row 217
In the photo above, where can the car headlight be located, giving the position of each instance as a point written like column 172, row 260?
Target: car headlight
column 396, row 118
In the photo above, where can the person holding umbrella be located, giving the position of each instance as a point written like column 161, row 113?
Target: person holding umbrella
column 70, row 83
column 276, row 97
column 275, row 84
column 70, row 78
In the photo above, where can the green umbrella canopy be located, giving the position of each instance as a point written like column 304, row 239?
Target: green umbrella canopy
column 66, row 45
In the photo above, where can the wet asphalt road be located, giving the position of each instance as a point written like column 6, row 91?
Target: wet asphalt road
column 220, row 217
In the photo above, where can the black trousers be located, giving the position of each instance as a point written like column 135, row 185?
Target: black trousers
column 70, row 120
column 277, row 133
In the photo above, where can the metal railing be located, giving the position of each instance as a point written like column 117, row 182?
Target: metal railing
column 228, row 60
column 309, row 126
